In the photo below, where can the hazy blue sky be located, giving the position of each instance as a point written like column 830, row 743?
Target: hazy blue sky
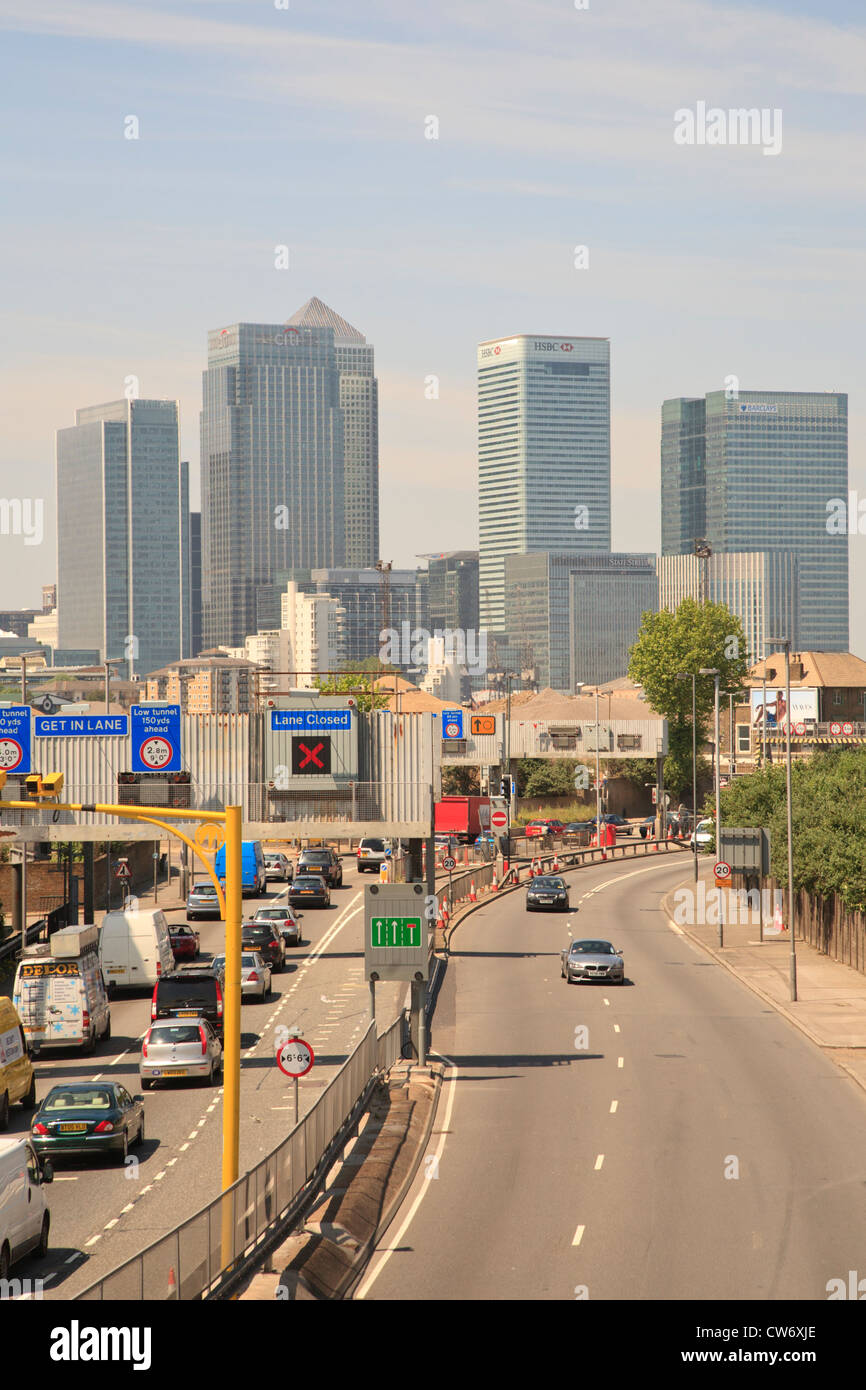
column 306, row 126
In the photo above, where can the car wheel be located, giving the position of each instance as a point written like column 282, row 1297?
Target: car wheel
column 4, row 1111
column 140, row 1136
column 107, row 1034
column 42, row 1247
column 146, row 1084
column 124, row 1152
column 29, row 1101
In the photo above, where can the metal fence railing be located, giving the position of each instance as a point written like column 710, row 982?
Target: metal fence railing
column 193, row 1260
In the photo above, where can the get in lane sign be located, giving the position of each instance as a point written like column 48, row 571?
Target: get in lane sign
column 389, row 932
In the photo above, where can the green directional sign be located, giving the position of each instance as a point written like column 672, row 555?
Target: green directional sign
column 390, row 932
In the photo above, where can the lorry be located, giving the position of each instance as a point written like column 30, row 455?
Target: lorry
column 463, row 817
column 60, row 992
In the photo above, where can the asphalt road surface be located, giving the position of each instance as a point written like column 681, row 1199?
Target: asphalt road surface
column 102, row 1214
column 694, row 1145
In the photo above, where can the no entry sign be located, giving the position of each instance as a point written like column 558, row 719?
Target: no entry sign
column 499, row 820
column 295, row 1057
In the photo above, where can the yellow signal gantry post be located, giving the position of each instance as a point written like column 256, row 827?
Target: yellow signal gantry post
column 230, row 907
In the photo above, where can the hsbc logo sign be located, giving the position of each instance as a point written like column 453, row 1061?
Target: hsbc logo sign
column 491, row 351
column 539, row 346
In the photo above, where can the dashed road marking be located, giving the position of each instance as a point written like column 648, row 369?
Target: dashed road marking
column 613, row 1105
column 620, row 1061
column 578, row 1235
column 599, row 1161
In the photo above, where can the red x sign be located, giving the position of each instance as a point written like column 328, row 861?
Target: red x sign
column 311, row 754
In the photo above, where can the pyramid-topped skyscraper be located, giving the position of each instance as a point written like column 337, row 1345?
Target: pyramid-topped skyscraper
column 289, row 461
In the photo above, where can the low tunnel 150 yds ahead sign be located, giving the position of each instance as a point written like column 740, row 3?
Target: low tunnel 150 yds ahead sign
column 388, row 932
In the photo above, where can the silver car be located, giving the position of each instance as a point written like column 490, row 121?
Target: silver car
column 592, row 960
column 180, row 1047
column 255, row 975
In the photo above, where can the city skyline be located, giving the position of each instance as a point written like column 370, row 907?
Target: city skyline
column 433, row 244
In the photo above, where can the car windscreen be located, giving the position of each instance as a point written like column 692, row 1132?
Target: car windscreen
column 205, row 889
column 257, row 933
column 74, row 1098
column 187, row 992
column 175, row 1033
column 373, row 844
column 308, row 881
column 272, row 914
column 592, row 948
column 548, row 883
column 249, row 961
column 316, row 856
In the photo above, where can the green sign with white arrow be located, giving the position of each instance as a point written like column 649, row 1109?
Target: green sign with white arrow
column 389, row 932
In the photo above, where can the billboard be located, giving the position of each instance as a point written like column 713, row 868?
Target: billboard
column 804, row 705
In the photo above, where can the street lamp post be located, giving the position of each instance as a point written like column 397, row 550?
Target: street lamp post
column 684, row 676
column 785, row 643
column 598, row 783
column 716, row 675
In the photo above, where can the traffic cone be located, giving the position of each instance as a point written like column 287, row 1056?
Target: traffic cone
column 172, row 1283
column 473, row 897
column 778, row 921
column 555, row 864
column 495, row 884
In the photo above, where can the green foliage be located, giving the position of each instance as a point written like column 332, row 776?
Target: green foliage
column 460, row 781
column 545, row 776
column 641, row 772
column 366, row 697
column 696, row 635
column 828, row 812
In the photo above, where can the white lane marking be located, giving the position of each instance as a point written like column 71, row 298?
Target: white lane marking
column 607, row 1003
column 73, row 1258
column 183, row 1147
column 159, row 1176
column 113, row 1222
column 194, row 1134
column 613, row 1105
column 599, row 1161
column 127, row 1208
column 620, row 1061
column 171, row 1161
column 578, row 1235
column 60, row 1177
column 379, row 1262
column 616, row 1028
column 93, row 1239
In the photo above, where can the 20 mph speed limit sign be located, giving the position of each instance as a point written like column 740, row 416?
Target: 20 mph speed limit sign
column 722, row 870
column 295, row 1057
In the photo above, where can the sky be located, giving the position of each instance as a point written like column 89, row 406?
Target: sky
column 304, row 123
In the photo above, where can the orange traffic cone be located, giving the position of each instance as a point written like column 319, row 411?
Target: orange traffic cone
column 172, row 1283
column 473, row 897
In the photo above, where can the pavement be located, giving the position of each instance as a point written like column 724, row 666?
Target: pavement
column 831, row 997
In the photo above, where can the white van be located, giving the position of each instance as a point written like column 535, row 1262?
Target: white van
column 134, row 948
column 59, row 991
column 24, row 1215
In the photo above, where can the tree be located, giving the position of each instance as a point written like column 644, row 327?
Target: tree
column 366, row 695
column 547, row 777
column 697, row 635
column 460, row 781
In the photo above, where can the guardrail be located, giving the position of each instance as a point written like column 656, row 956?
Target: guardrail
column 203, row 1254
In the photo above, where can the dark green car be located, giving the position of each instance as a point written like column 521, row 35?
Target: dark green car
column 86, row 1117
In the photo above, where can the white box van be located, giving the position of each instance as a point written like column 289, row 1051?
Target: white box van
column 134, row 948
column 24, row 1215
column 60, row 994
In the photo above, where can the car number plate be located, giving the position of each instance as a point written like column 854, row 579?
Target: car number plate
column 175, row 1072
column 72, row 1129
column 187, row 1013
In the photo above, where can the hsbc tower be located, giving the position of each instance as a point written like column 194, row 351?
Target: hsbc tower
column 543, row 454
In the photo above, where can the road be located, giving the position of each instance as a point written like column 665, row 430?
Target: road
column 101, row 1214
column 697, row 1147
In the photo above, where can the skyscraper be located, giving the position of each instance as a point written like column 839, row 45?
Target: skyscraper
column 289, row 460
column 543, row 454
column 123, row 571
column 755, row 473
column 759, row 586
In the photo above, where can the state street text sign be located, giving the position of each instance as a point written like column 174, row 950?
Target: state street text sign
column 398, row 935
column 155, row 738
column 15, row 738
column 81, row 725
column 303, row 721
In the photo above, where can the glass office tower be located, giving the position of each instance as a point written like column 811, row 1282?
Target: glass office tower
column 289, row 460
column 543, row 455
column 123, row 544
column 772, row 460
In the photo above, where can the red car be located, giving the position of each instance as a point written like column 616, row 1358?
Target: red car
column 184, row 942
column 539, row 828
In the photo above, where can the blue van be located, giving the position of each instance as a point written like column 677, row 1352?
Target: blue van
column 253, row 878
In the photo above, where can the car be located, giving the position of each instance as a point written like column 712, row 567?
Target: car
column 180, row 1047
column 278, row 866
column 287, row 922
column 190, row 993
column 548, row 892
column 537, row 829
column 592, row 960
column 578, row 831
column 485, row 838
column 255, row 975
column 87, row 1117
column 202, row 901
column 322, row 861
column 310, row 888
column 622, row 825
column 704, row 834
column 264, row 938
column 184, row 941
column 371, row 852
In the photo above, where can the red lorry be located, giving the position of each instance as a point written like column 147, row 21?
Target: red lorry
column 463, row 817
